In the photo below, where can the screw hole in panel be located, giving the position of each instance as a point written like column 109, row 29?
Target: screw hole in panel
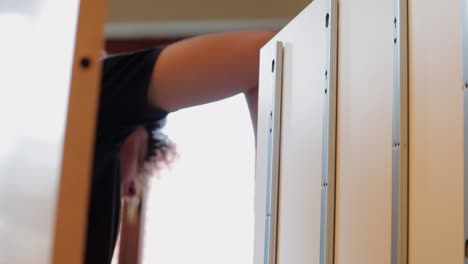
column 85, row 62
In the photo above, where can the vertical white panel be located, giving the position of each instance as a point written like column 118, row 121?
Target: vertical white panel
column 436, row 126
column 364, row 135
column 273, row 166
column 37, row 51
column 266, row 93
column 304, row 65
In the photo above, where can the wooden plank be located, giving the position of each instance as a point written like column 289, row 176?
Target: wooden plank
column 304, row 57
column 436, row 127
column 364, row 135
column 72, row 205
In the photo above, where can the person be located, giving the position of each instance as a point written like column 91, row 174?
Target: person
column 138, row 91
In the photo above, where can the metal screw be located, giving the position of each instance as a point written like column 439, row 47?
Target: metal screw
column 395, row 40
column 395, row 22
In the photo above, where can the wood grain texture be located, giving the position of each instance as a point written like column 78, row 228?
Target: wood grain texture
column 436, row 127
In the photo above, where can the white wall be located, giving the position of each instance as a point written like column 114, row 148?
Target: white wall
column 36, row 54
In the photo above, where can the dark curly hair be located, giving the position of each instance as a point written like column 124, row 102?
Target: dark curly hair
column 161, row 150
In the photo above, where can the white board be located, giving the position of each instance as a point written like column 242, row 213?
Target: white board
column 304, row 64
column 37, row 57
column 436, row 132
column 364, row 135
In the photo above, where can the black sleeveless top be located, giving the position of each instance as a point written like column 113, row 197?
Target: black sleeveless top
column 123, row 105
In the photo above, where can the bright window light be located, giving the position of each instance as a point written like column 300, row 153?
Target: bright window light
column 201, row 210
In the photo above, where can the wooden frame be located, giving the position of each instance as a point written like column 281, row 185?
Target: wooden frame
column 71, row 219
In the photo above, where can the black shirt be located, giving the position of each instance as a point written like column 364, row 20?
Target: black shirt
column 123, row 105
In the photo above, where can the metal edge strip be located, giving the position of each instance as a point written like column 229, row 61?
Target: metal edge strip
column 327, row 221
column 399, row 222
column 271, row 217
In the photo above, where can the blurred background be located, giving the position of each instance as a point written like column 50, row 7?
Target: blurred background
column 139, row 23
column 201, row 209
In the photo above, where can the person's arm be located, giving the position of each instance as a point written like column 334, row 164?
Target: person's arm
column 209, row 68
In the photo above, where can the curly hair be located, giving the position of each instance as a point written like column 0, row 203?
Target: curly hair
column 160, row 147
column 161, row 152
